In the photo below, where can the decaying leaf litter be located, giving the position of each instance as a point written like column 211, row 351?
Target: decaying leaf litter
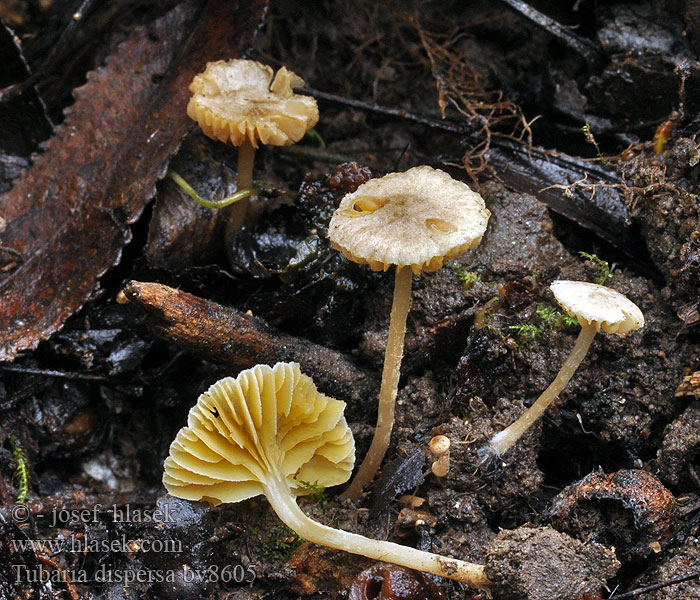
column 95, row 407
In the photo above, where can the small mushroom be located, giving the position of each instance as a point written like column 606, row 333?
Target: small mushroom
column 238, row 101
column 413, row 220
column 265, row 432
column 439, row 447
column 597, row 308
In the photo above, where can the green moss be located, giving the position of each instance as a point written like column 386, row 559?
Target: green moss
column 602, row 266
column 22, row 471
column 554, row 319
column 279, row 543
column 318, row 492
column 526, row 332
column 467, row 278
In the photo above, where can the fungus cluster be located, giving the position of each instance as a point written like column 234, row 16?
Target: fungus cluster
column 263, row 433
column 414, row 221
column 270, row 429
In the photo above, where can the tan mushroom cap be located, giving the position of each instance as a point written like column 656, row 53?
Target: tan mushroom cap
column 597, row 305
column 267, row 420
column 417, row 218
column 234, row 101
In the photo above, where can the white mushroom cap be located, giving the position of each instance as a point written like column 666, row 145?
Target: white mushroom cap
column 417, row 218
column 597, row 305
column 234, row 101
column 267, row 421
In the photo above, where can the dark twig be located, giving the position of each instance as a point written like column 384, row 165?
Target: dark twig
column 587, row 49
column 312, row 153
column 58, row 374
column 59, row 48
column 651, row 588
column 228, row 336
column 387, row 111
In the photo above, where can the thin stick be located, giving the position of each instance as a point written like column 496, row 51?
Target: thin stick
column 591, row 53
column 390, row 383
column 388, row 111
column 52, row 373
column 651, row 588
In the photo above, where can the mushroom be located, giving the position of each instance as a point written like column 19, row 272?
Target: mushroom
column 263, row 433
column 238, row 101
column 439, row 447
column 597, row 308
column 413, row 220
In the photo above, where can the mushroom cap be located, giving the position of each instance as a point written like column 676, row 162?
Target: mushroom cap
column 234, row 101
column 267, row 422
column 417, row 218
column 597, row 305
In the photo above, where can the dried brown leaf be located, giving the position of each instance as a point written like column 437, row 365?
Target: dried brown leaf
column 67, row 218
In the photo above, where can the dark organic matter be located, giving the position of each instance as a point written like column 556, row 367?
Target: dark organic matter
column 601, row 507
column 393, row 583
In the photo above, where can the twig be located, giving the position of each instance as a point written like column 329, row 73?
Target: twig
column 387, row 111
column 58, row 374
column 651, row 588
column 584, row 47
column 312, row 153
column 56, row 53
column 228, row 336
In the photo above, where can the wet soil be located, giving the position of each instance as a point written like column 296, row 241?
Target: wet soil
column 91, row 413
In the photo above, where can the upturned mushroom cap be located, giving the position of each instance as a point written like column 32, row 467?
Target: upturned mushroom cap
column 597, row 305
column 266, row 421
column 234, row 101
column 417, row 218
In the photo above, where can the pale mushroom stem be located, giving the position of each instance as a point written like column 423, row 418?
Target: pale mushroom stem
column 390, row 383
column 236, row 213
column 505, row 439
column 284, row 504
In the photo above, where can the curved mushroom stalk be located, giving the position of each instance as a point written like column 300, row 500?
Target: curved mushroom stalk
column 503, row 440
column 597, row 308
column 415, row 221
column 293, row 517
column 263, row 432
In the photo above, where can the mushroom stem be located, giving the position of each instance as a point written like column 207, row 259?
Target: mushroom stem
column 237, row 212
column 503, row 440
column 390, row 383
column 280, row 497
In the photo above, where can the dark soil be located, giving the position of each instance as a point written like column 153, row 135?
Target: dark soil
column 91, row 412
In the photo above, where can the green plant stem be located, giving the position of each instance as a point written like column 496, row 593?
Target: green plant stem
column 241, row 194
column 390, row 383
column 22, row 472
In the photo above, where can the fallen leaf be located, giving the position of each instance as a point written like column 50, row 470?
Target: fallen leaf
column 67, row 218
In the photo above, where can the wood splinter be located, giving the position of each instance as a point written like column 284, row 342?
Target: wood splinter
column 226, row 335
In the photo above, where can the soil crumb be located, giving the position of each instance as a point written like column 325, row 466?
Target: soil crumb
column 543, row 564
